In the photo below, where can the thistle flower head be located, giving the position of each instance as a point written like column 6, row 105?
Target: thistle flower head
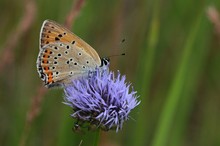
column 103, row 99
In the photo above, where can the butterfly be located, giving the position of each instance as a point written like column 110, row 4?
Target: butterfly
column 63, row 56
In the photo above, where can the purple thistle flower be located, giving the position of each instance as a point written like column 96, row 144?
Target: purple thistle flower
column 102, row 99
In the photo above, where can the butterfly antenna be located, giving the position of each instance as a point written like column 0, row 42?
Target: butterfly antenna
column 116, row 55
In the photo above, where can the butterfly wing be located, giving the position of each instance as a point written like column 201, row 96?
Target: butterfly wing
column 51, row 32
column 60, row 62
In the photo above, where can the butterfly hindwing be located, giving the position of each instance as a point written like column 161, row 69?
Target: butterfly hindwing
column 60, row 62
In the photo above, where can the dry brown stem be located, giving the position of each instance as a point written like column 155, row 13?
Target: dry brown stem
column 21, row 29
column 213, row 16
column 37, row 100
column 74, row 12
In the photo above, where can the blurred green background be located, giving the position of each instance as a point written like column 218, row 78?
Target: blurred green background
column 172, row 58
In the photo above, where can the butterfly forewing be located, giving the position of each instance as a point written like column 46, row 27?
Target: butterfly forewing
column 52, row 32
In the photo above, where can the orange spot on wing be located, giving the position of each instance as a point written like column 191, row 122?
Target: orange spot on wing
column 44, row 60
column 45, row 56
column 47, row 52
column 50, row 77
column 52, row 34
column 44, row 65
column 46, row 68
column 50, row 80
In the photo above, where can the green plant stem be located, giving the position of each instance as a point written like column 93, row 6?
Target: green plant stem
column 96, row 138
column 147, row 63
column 168, row 112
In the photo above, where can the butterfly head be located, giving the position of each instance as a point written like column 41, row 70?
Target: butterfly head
column 105, row 62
